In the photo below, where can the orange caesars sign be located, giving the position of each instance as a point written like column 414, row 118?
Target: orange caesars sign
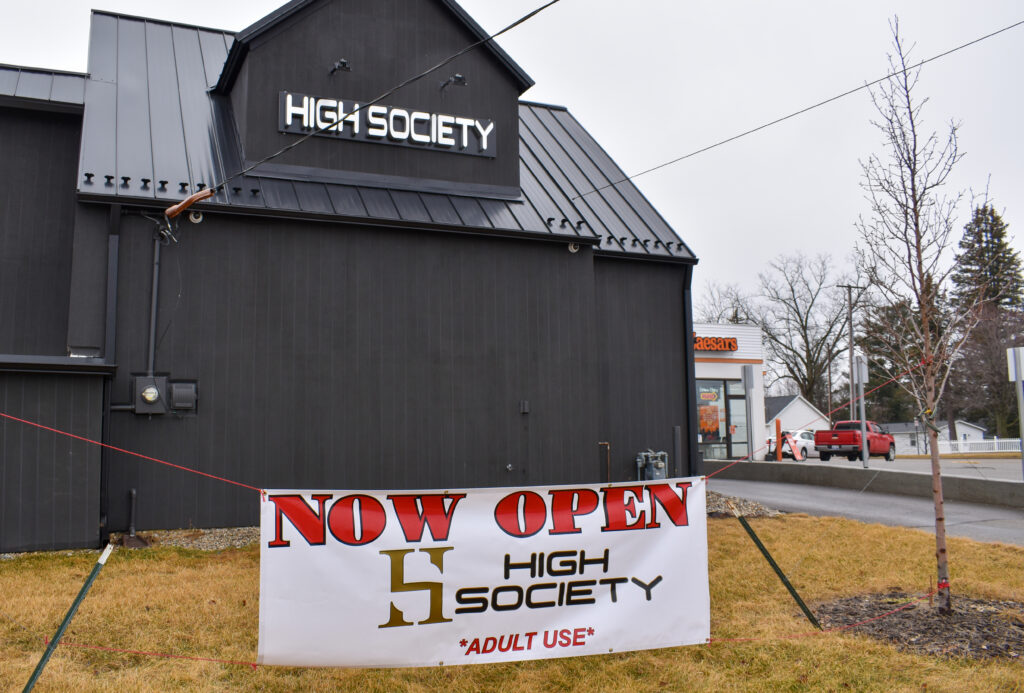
column 714, row 343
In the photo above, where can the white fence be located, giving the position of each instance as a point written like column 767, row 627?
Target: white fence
column 988, row 445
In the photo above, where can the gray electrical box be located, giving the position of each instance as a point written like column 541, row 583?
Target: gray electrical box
column 150, row 394
column 184, row 395
column 651, row 465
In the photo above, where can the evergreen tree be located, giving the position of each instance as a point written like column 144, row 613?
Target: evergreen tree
column 988, row 273
column 982, row 392
column 891, row 403
column 986, row 267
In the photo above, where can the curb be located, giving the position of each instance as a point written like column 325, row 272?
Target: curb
column 954, row 488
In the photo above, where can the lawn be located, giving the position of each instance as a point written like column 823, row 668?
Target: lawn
column 203, row 604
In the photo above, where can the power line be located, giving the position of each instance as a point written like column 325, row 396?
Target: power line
column 794, row 114
column 388, row 93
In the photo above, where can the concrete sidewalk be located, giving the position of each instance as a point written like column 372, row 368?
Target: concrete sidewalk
column 968, row 484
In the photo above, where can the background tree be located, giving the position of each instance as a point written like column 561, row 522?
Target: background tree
column 890, row 403
column 904, row 251
column 722, row 303
column 988, row 275
column 802, row 315
column 987, row 269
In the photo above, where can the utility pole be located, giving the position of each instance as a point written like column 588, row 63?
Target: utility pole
column 862, row 378
column 1015, row 366
column 849, row 313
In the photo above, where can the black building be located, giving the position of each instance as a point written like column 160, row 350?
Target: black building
column 418, row 298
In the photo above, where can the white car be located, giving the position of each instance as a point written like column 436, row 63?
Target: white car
column 804, row 443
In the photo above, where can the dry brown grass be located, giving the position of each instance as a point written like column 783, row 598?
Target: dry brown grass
column 198, row 604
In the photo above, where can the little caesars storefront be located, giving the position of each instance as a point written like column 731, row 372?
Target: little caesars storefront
column 729, row 364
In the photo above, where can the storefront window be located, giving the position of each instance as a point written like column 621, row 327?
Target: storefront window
column 722, row 419
column 711, row 418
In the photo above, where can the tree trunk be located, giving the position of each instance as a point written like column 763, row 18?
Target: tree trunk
column 944, row 600
column 1002, row 425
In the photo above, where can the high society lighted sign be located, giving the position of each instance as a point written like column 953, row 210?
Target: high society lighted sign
column 301, row 114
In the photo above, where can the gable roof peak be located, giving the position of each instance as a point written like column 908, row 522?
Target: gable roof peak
column 240, row 46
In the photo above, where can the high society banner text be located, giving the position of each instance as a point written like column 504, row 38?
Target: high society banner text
column 428, row 578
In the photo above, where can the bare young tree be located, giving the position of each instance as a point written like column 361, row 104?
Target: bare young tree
column 905, row 249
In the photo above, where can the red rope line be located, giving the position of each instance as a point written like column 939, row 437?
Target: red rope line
column 156, row 654
column 836, row 629
column 129, row 452
column 845, row 404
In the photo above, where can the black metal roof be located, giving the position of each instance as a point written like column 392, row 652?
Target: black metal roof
column 42, row 88
column 154, row 132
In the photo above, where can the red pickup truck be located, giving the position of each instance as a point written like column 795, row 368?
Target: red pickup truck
column 844, row 439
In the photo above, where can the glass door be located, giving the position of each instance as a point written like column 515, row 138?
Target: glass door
column 712, row 419
column 739, row 440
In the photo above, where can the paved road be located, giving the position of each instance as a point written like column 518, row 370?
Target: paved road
column 974, row 521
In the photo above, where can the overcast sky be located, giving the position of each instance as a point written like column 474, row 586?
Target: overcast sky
column 656, row 79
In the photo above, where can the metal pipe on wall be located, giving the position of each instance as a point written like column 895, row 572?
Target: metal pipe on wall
column 694, row 460
column 677, row 449
column 157, row 242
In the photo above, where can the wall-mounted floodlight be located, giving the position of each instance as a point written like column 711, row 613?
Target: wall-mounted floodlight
column 340, row 64
column 457, row 79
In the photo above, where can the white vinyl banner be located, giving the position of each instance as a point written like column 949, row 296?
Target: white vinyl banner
column 429, row 578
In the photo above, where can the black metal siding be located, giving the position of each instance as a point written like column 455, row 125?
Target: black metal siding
column 87, row 277
column 49, row 484
column 386, row 42
column 340, row 357
column 37, row 178
column 641, row 311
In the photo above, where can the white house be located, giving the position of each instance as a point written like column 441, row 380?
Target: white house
column 794, row 413
column 911, row 439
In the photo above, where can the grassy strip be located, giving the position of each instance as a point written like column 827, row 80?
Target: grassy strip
column 201, row 604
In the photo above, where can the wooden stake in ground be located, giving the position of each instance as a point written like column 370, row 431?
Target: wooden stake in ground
column 775, row 566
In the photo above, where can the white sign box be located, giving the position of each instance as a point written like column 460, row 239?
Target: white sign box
column 429, row 578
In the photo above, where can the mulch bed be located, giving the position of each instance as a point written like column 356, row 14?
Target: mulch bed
column 977, row 628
